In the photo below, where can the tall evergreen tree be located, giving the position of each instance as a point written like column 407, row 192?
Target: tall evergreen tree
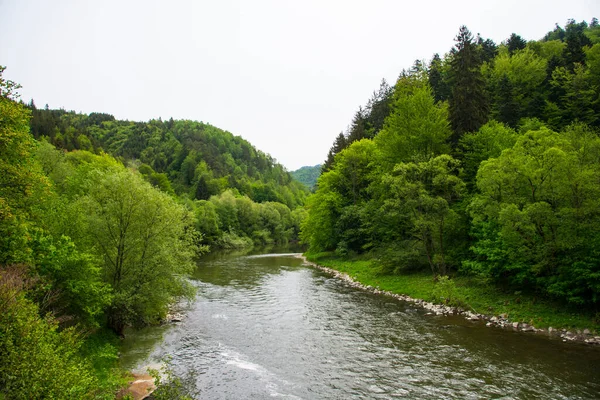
column 576, row 40
column 507, row 109
column 378, row 108
column 488, row 49
column 514, row 43
column 557, row 34
column 339, row 144
column 437, row 80
column 358, row 128
column 468, row 103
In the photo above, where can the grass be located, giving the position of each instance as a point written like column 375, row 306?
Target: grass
column 470, row 293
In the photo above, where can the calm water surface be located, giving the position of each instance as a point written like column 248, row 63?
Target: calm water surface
column 268, row 326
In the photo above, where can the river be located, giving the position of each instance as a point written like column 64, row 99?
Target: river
column 268, row 326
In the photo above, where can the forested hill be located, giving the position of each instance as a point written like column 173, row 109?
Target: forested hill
column 198, row 159
column 486, row 165
column 101, row 222
column 554, row 79
column 307, row 175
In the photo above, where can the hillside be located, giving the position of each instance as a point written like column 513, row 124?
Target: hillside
column 485, row 166
column 307, row 175
column 198, row 159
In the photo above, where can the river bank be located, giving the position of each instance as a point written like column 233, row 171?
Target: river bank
column 518, row 313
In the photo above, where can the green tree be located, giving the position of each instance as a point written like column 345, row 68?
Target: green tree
column 339, row 144
column 514, row 43
column 417, row 126
column 144, row 238
column 516, row 81
column 536, row 217
column 468, row 102
column 438, row 79
column 577, row 41
column 488, row 142
column 36, row 359
column 21, row 181
column 422, row 194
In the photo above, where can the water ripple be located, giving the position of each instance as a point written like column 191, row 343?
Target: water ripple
column 265, row 326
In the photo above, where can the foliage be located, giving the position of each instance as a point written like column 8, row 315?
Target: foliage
column 486, row 166
column 184, row 157
column 307, row 175
column 477, row 295
column 37, row 359
column 444, row 290
column 144, row 239
column 170, row 386
column 416, row 127
column 421, row 195
column 536, row 216
column 22, row 183
column 468, row 100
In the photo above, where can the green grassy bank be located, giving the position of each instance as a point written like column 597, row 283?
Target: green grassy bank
column 467, row 292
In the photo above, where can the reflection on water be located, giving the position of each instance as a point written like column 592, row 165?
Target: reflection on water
column 266, row 326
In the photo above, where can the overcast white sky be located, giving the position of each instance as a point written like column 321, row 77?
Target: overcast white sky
column 285, row 75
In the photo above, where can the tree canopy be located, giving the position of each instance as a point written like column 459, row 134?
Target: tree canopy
column 485, row 166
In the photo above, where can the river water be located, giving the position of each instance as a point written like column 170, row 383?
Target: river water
column 268, row 326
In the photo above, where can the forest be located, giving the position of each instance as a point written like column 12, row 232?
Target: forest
column 101, row 222
column 307, row 175
column 483, row 162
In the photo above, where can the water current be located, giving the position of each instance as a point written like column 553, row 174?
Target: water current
column 268, row 326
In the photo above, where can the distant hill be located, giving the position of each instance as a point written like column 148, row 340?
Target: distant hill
column 198, row 159
column 307, row 175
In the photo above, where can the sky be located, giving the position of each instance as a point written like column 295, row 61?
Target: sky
column 287, row 76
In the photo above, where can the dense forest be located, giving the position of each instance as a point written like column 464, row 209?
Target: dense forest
column 307, row 175
column 100, row 224
column 239, row 195
column 483, row 162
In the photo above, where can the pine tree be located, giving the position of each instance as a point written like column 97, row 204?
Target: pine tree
column 358, row 128
column 507, row 109
column 437, row 81
column 378, row 108
column 576, row 40
column 339, row 144
column 488, row 49
column 468, row 103
column 514, row 43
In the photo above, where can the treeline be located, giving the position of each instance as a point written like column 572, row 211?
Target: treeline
column 91, row 244
column 487, row 164
column 203, row 166
column 84, row 243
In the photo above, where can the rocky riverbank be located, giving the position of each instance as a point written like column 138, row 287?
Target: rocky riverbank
column 500, row 321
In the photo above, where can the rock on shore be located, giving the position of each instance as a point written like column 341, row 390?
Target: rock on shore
column 140, row 387
column 501, row 321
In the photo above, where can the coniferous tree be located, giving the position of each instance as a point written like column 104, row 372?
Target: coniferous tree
column 378, row 108
column 468, row 102
column 507, row 109
column 576, row 40
column 339, row 144
column 514, row 43
column 488, row 49
column 437, row 81
column 557, row 34
column 358, row 128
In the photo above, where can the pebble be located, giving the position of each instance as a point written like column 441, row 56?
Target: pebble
column 501, row 321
